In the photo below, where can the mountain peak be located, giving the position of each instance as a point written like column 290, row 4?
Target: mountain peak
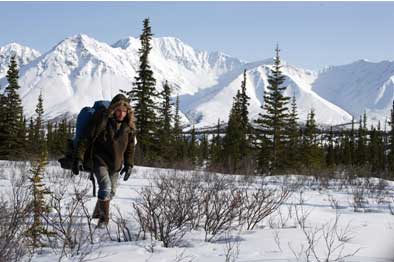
column 18, row 50
column 24, row 55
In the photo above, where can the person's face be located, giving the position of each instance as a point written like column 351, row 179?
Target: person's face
column 120, row 113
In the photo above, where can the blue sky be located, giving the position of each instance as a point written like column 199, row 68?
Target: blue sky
column 311, row 34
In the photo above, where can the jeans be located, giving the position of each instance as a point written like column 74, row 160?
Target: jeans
column 107, row 182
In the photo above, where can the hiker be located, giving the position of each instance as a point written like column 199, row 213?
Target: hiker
column 110, row 136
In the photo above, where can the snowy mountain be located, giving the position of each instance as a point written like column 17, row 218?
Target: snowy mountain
column 187, row 69
column 80, row 70
column 358, row 87
column 206, row 106
column 23, row 54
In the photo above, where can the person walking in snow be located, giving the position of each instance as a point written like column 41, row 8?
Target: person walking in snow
column 110, row 139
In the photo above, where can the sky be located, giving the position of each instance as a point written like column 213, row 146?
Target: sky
column 311, row 35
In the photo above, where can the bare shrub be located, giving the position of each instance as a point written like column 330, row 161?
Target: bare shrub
column 123, row 229
column 167, row 208
column 70, row 222
column 221, row 202
column 231, row 248
column 359, row 195
column 277, row 239
column 329, row 235
column 14, row 221
column 334, row 203
column 182, row 257
column 258, row 203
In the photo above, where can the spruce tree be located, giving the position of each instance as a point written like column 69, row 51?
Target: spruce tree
column 216, row 149
column 346, row 149
column 22, row 136
column 352, row 144
column 361, row 149
column 39, row 143
column 177, row 131
column 50, row 139
column 60, row 136
column 12, row 144
column 311, row 150
column 166, row 136
column 275, row 118
column 142, row 95
column 390, row 157
column 293, row 155
column 234, row 138
column 330, row 151
column 245, row 127
column 244, row 105
column 30, row 138
column 203, row 150
column 192, row 147
column 376, row 149
column 37, row 231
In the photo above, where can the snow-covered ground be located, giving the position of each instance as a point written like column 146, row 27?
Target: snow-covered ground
column 279, row 237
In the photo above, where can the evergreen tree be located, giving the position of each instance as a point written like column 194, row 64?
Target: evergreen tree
column 293, row 135
column 234, row 138
column 37, row 231
column 330, row 156
column 22, row 136
column 177, row 131
column 30, row 137
column 376, row 149
column 12, row 144
column 142, row 94
column 346, row 149
column 390, row 157
column 166, row 134
column 312, row 152
column 192, row 147
column 216, row 149
column 352, row 145
column 60, row 136
column 203, row 150
column 50, row 139
column 246, row 137
column 244, row 104
column 361, row 150
column 38, row 142
column 275, row 118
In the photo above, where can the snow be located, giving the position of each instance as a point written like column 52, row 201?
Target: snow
column 372, row 230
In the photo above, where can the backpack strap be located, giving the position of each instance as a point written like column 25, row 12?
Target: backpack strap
column 91, row 177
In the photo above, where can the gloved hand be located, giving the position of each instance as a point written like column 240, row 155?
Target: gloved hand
column 77, row 166
column 126, row 170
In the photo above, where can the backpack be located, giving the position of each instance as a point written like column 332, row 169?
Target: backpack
column 83, row 119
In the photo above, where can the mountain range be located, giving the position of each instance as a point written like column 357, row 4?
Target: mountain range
column 80, row 70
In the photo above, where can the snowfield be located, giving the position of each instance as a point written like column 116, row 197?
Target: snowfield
column 323, row 211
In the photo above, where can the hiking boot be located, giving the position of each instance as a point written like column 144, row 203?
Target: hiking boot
column 104, row 213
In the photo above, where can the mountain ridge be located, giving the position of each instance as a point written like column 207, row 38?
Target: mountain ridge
column 79, row 70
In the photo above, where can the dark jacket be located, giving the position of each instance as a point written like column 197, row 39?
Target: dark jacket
column 113, row 142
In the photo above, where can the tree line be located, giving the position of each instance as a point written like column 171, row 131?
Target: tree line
column 274, row 143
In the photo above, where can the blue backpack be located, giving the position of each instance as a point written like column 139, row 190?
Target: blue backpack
column 85, row 116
